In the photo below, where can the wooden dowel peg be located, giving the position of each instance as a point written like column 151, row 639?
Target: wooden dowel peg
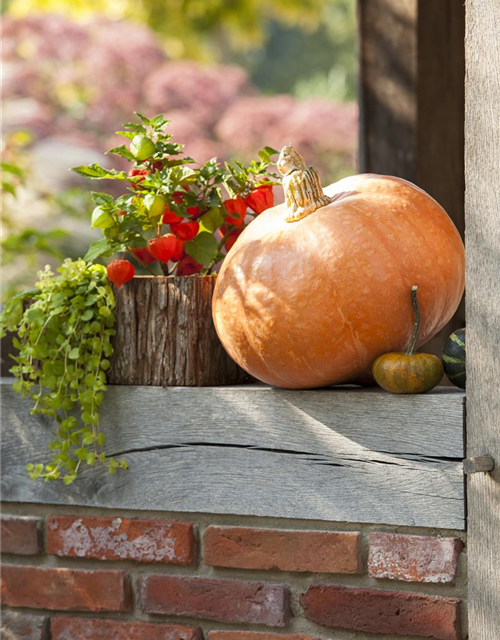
column 478, row 464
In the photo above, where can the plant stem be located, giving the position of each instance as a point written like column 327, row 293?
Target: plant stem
column 414, row 337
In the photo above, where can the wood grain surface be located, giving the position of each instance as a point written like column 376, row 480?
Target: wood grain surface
column 482, row 208
column 358, row 455
column 165, row 335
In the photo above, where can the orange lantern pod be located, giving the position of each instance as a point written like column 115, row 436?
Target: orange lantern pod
column 120, row 272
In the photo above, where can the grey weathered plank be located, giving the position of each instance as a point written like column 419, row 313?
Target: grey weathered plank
column 482, row 208
column 335, row 454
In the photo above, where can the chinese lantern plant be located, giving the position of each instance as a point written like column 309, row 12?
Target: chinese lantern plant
column 175, row 219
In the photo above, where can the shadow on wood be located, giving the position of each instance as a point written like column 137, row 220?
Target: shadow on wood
column 357, row 455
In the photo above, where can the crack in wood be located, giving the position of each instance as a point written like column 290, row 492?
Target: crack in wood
column 227, row 445
column 413, row 456
column 315, row 458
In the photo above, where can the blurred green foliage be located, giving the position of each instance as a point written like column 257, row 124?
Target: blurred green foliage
column 306, row 62
column 25, row 246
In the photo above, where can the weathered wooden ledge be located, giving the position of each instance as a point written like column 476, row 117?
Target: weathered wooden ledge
column 343, row 454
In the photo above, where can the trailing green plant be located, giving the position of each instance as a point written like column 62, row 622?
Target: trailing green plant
column 64, row 328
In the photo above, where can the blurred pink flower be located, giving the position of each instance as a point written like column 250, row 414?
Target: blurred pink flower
column 251, row 123
column 81, row 81
column 81, row 71
column 204, row 92
column 322, row 124
column 203, row 149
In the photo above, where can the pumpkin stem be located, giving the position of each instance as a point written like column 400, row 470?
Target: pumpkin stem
column 414, row 338
column 301, row 184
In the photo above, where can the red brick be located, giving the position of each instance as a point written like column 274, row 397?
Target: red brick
column 21, row 535
column 65, row 589
column 102, row 629
column 257, row 635
column 23, row 626
column 222, row 600
column 413, row 558
column 315, row 551
column 121, row 539
column 387, row 612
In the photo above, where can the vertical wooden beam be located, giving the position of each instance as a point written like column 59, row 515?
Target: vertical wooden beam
column 412, row 101
column 388, row 87
column 412, row 94
column 440, row 104
column 482, row 224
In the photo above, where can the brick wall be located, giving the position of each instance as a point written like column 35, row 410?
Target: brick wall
column 84, row 574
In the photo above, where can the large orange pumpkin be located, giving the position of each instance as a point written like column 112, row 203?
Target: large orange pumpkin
column 314, row 302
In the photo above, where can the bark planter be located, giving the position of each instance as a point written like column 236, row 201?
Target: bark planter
column 166, row 337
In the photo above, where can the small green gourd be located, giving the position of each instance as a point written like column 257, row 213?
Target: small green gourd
column 454, row 358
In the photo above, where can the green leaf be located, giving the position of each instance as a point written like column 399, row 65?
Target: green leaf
column 135, row 126
column 123, row 152
column 12, row 168
column 143, row 118
column 74, row 354
column 129, row 134
column 102, row 198
column 97, row 249
column 7, row 187
column 35, row 315
column 159, row 121
column 203, row 248
column 211, row 220
column 266, row 154
column 81, row 453
column 181, row 174
column 96, row 172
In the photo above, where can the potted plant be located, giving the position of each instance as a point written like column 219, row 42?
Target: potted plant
column 176, row 222
column 92, row 325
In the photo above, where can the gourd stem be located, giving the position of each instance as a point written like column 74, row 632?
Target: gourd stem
column 301, row 185
column 414, row 337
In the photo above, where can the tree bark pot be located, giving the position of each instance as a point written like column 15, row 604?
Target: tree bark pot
column 166, row 337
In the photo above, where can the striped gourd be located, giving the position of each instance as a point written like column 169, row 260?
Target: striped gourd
column 454, row 358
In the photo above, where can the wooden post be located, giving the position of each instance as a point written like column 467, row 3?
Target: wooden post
column 482, row 218
column 166, row 337
column 412, row 101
